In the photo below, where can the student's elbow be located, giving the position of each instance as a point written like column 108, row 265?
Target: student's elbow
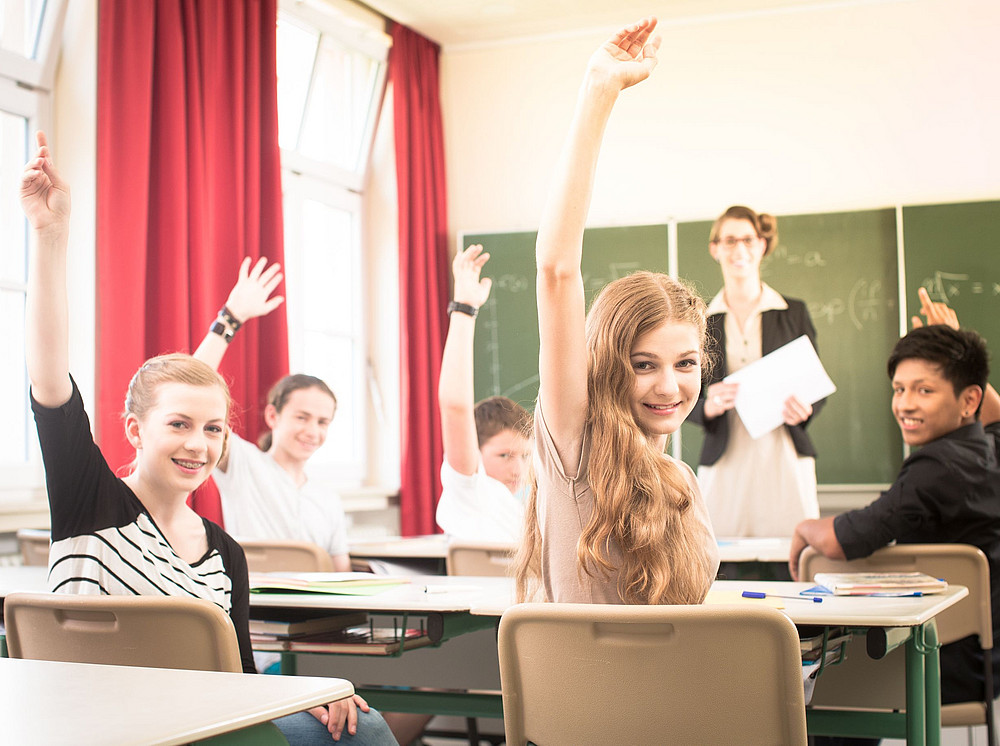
column 553, row 272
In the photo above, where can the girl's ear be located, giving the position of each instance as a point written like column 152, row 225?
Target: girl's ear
column 271, row 416
column 132, row 431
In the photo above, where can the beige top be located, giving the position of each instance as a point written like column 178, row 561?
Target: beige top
column 759, row 487
column 564, row 505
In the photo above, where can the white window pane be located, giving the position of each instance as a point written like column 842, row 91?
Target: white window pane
column 339, row 105
column 296, row 52
column 13, row 155
column 336, row 361
column 13, row 382
column 20, row 21
column 330, row 283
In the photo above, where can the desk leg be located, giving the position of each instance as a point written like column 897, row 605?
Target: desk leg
column 928, row 641
column 916, row 719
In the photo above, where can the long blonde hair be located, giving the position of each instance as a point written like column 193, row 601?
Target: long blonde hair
column 642, row 501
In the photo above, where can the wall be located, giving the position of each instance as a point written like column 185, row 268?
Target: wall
column 839, row 106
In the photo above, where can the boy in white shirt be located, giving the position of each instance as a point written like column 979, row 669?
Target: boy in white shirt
column 486, row 446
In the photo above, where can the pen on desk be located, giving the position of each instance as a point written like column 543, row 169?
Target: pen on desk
column 761, row 594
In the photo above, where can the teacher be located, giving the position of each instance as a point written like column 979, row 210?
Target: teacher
column 761, row 487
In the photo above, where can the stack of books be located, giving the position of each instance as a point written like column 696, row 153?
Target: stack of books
column 879, row 583
column 276, row 632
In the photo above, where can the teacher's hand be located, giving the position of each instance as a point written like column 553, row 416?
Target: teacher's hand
column 719, row 399
column 795, row 412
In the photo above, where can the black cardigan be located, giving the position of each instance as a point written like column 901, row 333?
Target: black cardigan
column 778, row 327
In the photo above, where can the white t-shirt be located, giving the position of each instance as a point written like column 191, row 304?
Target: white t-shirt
column 261, row 501
column 478, row 507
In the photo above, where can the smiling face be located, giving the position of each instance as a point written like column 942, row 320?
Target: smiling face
column 300, row 428
column 505, row 458
column 180, row 439
column 738, row 249
column 666, row 361
column 924, row 402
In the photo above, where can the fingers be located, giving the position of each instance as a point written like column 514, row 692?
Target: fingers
column 917, row 322
column 360, row 702
column 935, row 313
column 795, row 412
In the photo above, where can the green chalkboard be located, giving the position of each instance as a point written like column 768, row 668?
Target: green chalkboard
column 844, row 266
column 954, row 252
column 506, row 354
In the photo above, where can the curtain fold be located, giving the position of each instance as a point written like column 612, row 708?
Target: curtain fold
column 188, row 183
column 423, row 270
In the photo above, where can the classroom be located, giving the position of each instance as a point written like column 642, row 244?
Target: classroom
column 794, row 107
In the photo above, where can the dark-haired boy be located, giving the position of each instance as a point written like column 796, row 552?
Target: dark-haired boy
column 486, row 445
column 948, row 491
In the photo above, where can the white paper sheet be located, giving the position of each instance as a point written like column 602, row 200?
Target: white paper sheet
column 765, row 385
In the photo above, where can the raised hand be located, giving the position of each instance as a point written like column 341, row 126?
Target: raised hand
column 44, row 195
column 935, row 313
column 628, row 57
column 249, row 297
column 469, row 287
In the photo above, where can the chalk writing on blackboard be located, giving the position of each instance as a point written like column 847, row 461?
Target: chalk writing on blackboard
column 805, row 259
column 944, row 286
column 865, row 304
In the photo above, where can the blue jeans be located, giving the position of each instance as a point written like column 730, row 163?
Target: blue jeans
column 302, row 729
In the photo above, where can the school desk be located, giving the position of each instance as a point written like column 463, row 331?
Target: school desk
column 459, row 605
column 44, row 702
column 425, row 555
column 428, row 553
column 465, row 610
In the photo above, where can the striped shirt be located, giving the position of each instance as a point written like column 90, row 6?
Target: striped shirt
column 105, row 542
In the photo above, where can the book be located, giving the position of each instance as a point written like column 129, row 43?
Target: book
column 362, row 640
column 287, row 623
column 338, row 583
column 879, row 583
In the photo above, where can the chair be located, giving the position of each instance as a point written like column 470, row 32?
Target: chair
column 480, row 559
column 152, row 631
column 582, row 673
column 34, row 545
column 278, row 555
column 960, row 564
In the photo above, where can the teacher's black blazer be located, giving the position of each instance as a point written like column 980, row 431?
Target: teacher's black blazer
column 778, row 327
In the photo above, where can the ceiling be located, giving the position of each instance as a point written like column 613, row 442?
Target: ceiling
column 477, row 22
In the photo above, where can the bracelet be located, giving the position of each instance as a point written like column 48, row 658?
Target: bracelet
column 223, row 330
column 227, row 316
column 462, row 308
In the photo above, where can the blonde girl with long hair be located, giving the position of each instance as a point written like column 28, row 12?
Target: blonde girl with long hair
column 612, row 517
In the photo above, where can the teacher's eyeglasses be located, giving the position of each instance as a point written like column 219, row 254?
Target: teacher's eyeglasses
column 731, row 242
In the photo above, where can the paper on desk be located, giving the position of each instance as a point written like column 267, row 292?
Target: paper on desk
column 765, row 384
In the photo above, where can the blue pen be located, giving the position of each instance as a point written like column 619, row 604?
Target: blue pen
column 761, row 594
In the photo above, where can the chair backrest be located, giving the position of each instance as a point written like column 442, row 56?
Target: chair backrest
column 34, row 545
column 481, row 559
column 152, row 631
column 959, row 564
column 278, row 555
column 580, row 673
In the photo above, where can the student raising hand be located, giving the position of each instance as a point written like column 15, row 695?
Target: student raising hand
column 935, row 313
column 628, row 57
column 44, row 195
column 469, row 287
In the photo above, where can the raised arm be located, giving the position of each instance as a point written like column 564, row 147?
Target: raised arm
column 46, row 203
column 249, row 298
column 625, row 59
column 456, row 397
column 942, row 313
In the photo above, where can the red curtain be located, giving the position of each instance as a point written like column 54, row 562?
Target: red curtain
column 423, row 270
column 188, row 183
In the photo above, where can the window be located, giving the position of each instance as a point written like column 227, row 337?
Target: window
column 331, row 78
column 28, row 30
